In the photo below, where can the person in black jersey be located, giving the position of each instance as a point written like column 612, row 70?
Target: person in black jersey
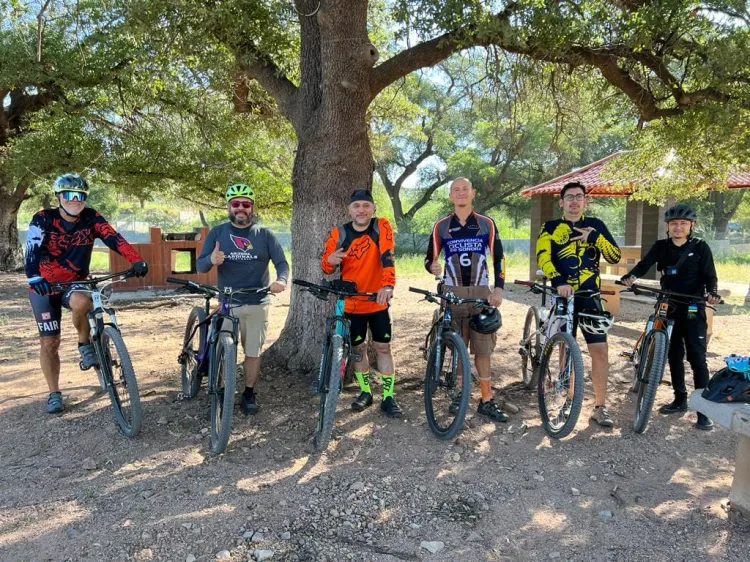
column 568, row 250
column 470, row 242
column 687, row 266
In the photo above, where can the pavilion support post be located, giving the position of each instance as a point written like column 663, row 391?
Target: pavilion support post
column 653, row 228
column 542, row 209
column 633, row 222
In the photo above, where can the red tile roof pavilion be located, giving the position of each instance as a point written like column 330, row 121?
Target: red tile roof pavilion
column 597, row 187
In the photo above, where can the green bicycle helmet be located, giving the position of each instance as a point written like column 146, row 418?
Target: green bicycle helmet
column 239, row 190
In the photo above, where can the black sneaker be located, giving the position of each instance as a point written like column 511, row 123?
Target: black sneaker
column 679, row 404
column 492, row 411
column 390, row 408
column 455, row 405
column 704, row 423
column 249, row 404
column 364, row 400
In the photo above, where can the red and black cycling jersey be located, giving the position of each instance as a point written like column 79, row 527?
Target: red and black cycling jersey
column 59, row 250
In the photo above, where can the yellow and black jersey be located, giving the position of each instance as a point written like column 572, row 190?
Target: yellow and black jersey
column 575, row 263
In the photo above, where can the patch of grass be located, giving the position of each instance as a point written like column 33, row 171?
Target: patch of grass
column 733, row 270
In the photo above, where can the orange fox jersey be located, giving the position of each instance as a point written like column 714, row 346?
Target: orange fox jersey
column 369, row 261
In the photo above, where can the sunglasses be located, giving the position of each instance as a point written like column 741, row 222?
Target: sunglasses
column 74, row 196
column 243, row 204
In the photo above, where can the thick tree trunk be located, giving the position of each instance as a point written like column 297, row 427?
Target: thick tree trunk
column 333, row 158
column 11, row 256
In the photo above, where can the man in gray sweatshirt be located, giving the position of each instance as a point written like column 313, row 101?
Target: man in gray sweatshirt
column 241, row 250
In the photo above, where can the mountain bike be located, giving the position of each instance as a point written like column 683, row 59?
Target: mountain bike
column 115, row 369
column 551, row 358
column 649, row 354
column 209, row 349
column 337, row 351
column 447, row 382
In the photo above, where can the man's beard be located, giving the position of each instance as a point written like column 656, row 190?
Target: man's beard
column 242, row 221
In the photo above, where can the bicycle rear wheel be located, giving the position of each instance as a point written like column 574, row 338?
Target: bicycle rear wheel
column 222, row 393
column 117, row 372
column 332, row 371
column 447, row 386
column 191, row 346
column 654, row 354
column 531, row 348
column 560, row 368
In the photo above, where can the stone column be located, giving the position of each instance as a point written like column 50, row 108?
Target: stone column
column 542, row 209
column 633, row 222
column 652, row 229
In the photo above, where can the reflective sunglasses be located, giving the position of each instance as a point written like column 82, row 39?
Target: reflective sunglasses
column 243, row 204
column 74, row 196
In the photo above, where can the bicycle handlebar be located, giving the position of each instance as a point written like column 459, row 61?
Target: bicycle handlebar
column 430, row 296
column 210, row 290
column 313, row 288
column 636, row 289
column 551, row 289
column 93, row 281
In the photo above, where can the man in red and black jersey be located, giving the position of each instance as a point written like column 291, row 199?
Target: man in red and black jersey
column 469, row 242
column 363, row 249
column 59, row 243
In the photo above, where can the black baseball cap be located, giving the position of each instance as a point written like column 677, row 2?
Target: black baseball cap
column 361, row 195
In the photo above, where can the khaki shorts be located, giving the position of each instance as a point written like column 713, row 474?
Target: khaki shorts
column 479, row 344
column 253, row 322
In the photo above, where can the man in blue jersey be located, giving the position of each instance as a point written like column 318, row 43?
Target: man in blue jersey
column 470, row 242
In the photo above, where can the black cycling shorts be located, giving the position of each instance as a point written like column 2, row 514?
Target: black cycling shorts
column 48, row 310
column 379, row 323
column 587, row 303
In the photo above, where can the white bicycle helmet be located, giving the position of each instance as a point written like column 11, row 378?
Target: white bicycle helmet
column 595, row 321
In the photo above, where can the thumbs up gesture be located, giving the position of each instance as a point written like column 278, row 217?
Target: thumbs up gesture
column 217, row 256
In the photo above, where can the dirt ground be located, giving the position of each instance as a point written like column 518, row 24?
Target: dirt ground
column 497, row 492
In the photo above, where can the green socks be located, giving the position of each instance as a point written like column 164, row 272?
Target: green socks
column 388, row 382
column 364, row 381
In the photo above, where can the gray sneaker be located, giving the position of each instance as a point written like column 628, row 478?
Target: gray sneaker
column 55, row 403
column 88, row 357
column 601, row 416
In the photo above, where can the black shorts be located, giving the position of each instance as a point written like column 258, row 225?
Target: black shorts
column 48, row 310
column 587, row 303
column 379, row 323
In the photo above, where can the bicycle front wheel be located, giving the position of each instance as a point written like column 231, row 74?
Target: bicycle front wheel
column 531, row 348
column 560, row 385
column 654, row 354
column 222, row 392
column 332, row 373
column 447, row 386
column 117, row 372
column 193, row 342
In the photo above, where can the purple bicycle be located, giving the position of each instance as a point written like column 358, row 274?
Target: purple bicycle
column 210, row 348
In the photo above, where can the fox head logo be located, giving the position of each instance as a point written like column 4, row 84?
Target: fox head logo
column 241, row 243
column 359, row 247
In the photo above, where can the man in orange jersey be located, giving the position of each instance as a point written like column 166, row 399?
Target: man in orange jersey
column 363, row 249
column 470, row 243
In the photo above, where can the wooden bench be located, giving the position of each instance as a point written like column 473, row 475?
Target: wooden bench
column 735, row 417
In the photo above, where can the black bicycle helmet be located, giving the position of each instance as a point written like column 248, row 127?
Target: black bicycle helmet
column 486, row 321
column 728, row 386
column 680, row 211
column 595, row 321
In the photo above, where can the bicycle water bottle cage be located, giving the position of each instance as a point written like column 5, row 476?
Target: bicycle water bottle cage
column 342, row 285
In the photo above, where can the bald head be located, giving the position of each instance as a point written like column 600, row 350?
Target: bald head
column 462, row 193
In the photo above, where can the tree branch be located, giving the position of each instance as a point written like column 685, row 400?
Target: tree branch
column 426, row 196
column 259, row 66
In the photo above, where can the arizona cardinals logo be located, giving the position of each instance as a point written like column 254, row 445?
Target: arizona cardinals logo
column 241, row 243
column 359, row 247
